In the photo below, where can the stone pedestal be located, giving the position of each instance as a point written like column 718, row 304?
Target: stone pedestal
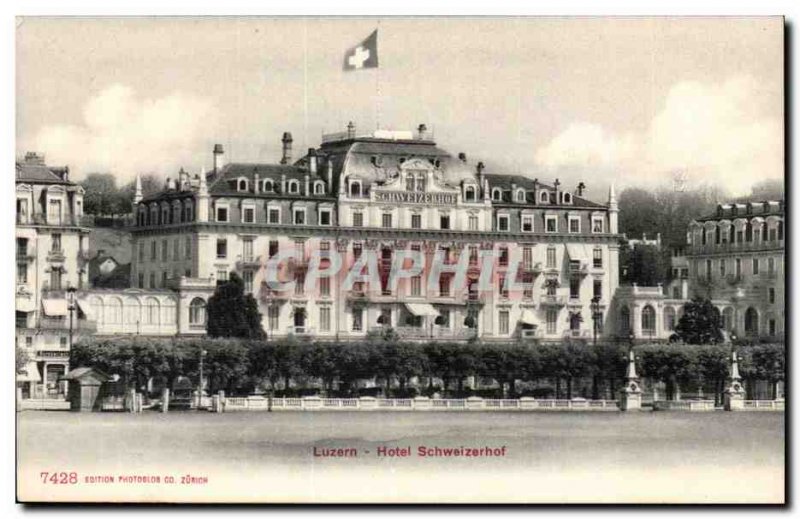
column 630, row 396
column 733, row 398
column 165, row 400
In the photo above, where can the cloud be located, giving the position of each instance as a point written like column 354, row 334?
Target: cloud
column 712, row 133
column 126, row 135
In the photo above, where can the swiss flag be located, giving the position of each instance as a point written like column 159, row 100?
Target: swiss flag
column 363, row 55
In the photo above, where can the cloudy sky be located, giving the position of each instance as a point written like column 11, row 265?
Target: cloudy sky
column 631, row 100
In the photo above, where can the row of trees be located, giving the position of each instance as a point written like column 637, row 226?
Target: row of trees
column 293, row 367
column 104, row 198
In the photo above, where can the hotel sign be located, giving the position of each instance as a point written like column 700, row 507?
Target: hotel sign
column 411, row 197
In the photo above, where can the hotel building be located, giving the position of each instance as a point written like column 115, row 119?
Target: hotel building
column 554, row 265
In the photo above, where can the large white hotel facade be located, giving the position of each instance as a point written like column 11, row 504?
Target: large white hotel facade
column 382, row 194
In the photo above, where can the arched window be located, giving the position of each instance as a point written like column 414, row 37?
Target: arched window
column 97, row 309
column 114, row 311
column 355, row 188
column 187, row 206
column 497, row 194
column 269, row 187
column 421, row 180
column 242, row 184
column 727, row 319
column 624, row 321
column 294, row 187
column 151, row 311
column 751, row 321
column 521, row 196
column 648, row 321
column 469, row 194
column 197, row 312
column 567, row 197
column 131, row 310
column 669, row 318
column 543, row 197
column 168, row 312
column 319, row 188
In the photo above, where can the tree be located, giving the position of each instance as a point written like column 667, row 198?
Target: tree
column 644, row 265
column 701, row 323
column 232, row 313
column 101, row 195
column 505, row 364
column 769, row 363
column 672, row 364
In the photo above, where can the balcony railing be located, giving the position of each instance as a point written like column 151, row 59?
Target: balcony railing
column 78, row 325
column 55, row 255
column 44, row 219
column 579, row 270
column 300, row 330
column 551, row 300
column 247, row 261
column 735, row 247
column 528, row 334
column 576, row 334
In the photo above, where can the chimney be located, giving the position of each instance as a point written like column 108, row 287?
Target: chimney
column 535, row 191
column 219, row 158
column 308, row 185
column 479, row 168
column 65, row 175
column 422, row 132
column 283, row 183
column 100, row 252
column 351, row 130
column 312, row 161
column 170, row 183
column 137, row 195
column 32, row 157
column 256, row 181
column 286, row 141
column 462, row 157
column 329, row 176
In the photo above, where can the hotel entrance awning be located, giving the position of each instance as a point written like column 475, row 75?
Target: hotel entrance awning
column 25, row 304
column 86, row 308
column 422, row 309
column 31, row 373
column 578, row 252
column 55, row 307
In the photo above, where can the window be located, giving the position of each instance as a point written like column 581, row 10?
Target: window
column 222, row 214
column 597, row 289
column 358, row 317
column 648, row 321
column 325, row 319
column 274, row 247
column 242, row 185
column 410, row 182
column 497, row 194
column 503, row 322
column 188, row 248
column 141, row 280
column 197, row 312
column 669, row 318
column 355, row 188
column 416, row 286
column 386, row 220
column 247, row 249
column 502, row 223
column 527, row 223
column 357, row 248
column 551, row 223
column 551, row 317
column 771, row 266
column 294, row 187
column 444, row 285
column 574, row 288
column 269, row 187
column 527, row 257
column 574, row 224
column 503, row 260
column 22, row 272
column 708, row 269
column 300, row 283
column 152, row 280
column 444, row 221
column 324, row 216
column 358, row 219
column 738, row 264
column 755, row 266
column 54, row 211
column 597, row 258
column 771, row 292
column 274, row 215
column 299, row 216
column 222, row 276
column 416, row 221
column 55, row 242
column 249, row 214
column 521, row 196
column 527, row 285
column 502, row 287
column 551, row 257
column 473, row 222
column 164, row 250
column 222, row 249
column 273, row 315
column 597, row 224
column 722, row 263
column 325, row 287
column 141, row 251
column 469, row 194
column 319, row 188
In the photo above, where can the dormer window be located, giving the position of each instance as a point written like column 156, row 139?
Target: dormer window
column 566, row 198
column 269, row 187
column 497, row 194
column 521, row 196
column 355, row 188
column 544, row 197
column 319, row 188
column 469, row 194
column 294, row 187
column 241, row 184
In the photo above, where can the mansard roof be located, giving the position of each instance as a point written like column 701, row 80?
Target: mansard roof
column 746, row 210
column 41, row 174
column 506, row 183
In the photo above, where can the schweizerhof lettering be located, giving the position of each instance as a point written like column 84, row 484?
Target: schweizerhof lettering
column 408, row 197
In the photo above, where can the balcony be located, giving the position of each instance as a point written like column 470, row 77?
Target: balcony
column 574, row 302
column 579, row 270
column 576, row 334
column 733, row 279
column 84, row 256
column 78, row 325
column 357, row 295
column 300, row 330
column 552, row 300
column 23, row 255
column 437, row 332
column 534, row 269
column 528, row 334
column 297, row 264
column 56, row 255
column 44, row 219
column 247, row 262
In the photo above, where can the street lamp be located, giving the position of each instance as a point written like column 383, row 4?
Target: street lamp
column 203, row 354
column 595, row 315
column 71, row 309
